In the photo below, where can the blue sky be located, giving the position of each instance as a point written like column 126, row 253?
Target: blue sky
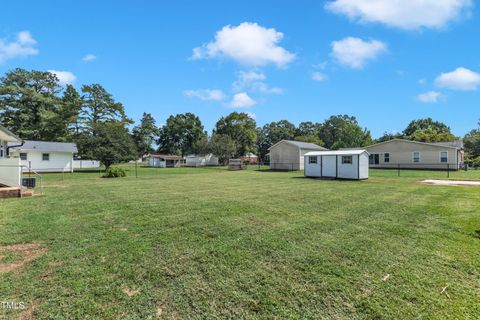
column 386, row 62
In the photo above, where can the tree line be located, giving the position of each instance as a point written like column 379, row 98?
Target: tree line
column 35, row 106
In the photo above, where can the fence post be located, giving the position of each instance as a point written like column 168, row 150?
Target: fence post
column 398, row 170
column 448, row 170
column 136, row 172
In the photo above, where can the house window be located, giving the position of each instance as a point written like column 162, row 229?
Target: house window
column 23, row 156
column 386, row 157
column 444, row 156
column 46, row 156
column 347, row 159
column 312, row 160
column 416, row 157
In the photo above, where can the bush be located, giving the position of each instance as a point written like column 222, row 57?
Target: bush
column 473, row 162
column 115, row 172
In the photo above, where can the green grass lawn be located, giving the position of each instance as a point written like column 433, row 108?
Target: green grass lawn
column 213, row 244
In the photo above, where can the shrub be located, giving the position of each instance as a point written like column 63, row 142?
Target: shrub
column 473, row 162
column 115, row 172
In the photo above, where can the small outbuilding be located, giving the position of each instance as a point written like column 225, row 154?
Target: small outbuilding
column 340, row 164
column 164, row 160
column 196, row 160
column 289, row 155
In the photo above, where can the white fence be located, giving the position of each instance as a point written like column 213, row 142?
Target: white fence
column 86, row 164
column 10, row 172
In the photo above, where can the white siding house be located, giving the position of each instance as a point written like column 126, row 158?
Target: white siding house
column 342, row 164
column 43, row 156
column 289, row 155
column 201, row 160
column 10, row 170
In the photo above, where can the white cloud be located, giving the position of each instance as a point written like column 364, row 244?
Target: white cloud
column 242, row 100
column 254, row 81
column 355, row 52
column 404, row 14
column 429, row 97
column 64, row 77
column 422, row 82
column 318, row 76
column 459, row 79
column 206, row 94
column 248, row 44
column 22, row 46
column 89, row 57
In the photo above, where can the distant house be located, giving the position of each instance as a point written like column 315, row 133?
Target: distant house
column 44, row 156
column 289, row 155
column 412, row 154
column 250, row 158
column 163, row 160
column 196, row 160
column 338, row 164
column 10, row 168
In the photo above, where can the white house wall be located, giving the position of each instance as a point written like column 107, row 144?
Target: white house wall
column 348, row 171
column 59, row 161
column 285, row 156
column 10, row 172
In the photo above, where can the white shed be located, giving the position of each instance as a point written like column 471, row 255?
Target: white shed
column 195, row 160
column 341, row 164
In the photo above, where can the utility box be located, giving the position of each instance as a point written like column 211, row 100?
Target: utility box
column 29, row 183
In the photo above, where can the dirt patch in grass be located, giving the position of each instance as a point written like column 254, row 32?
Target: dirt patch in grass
column 28, row 313
column 24, row 253
column 464, row 183
column 129, row 291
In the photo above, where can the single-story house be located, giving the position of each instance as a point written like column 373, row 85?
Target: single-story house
column 416, row 155
column 289, row 155
column 164, row 160
column 196, row 160
column 10, row 168
column 340, row 164
column 45, row 156
column 250, row 158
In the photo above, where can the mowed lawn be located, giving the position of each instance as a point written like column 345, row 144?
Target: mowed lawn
column 213, row 244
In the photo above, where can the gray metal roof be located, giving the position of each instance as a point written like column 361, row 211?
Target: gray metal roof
column 455, row 144
column 47, row 146
column 302, row 145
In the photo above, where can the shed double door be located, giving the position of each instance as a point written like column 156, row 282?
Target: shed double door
column 329, row 166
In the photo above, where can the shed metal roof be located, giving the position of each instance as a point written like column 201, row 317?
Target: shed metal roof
column 301, row 145
column 336, row 153
column 47, row 146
